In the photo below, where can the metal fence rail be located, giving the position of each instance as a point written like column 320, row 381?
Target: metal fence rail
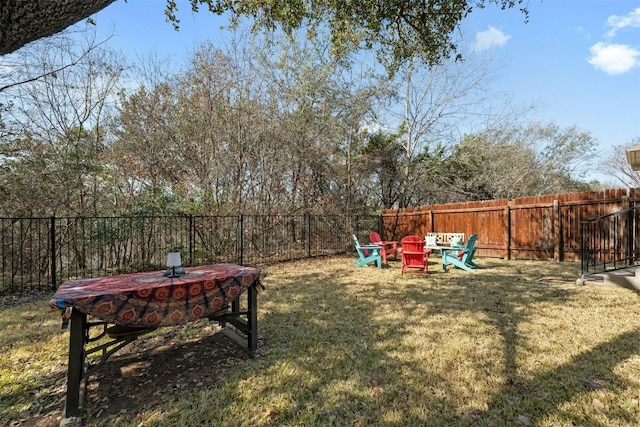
column 39, row 254
column 611, row 241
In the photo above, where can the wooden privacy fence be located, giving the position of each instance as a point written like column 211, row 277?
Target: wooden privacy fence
column 543, row 227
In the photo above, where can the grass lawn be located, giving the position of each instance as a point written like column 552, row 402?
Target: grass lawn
column 346, row 346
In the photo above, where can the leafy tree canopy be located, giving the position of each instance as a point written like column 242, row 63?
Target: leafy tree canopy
column 397, row 29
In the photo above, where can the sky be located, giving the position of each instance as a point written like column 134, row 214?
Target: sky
column 577, row 61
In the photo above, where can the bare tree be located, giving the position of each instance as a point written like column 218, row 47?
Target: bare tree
column 55, row 129
column 516, row 160
column 26, row 66
column 619, row 168
column 194, row 134
column 264, row 127
column 324, row 107
column 436, row 104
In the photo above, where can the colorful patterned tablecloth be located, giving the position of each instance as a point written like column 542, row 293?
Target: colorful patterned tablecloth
column 152, row 299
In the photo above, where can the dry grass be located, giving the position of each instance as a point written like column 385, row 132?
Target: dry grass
column 345, row 346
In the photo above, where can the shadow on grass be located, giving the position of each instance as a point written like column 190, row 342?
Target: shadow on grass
column 546, row 391
column 502, row 300
column 32, row 365
column 363, row 346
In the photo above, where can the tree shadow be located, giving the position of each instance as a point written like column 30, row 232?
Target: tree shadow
column 507, row 312
column 170, row 364
column 364, row 374
column 568, row 381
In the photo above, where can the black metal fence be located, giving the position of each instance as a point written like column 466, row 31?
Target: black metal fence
column 39, row 254
column 611, row 241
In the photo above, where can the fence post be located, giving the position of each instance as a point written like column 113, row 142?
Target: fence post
column 633, row 234
column 241, row 242
column 308, row 220
column 558, row 246
column 192, row 239
column 52, row 231
column 626, row 231
column 507, row 231
column 583, row 247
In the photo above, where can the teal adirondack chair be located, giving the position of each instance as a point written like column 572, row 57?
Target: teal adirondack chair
column 367, row 254
column 461, row 256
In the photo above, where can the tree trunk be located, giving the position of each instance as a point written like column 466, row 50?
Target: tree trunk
column 23, row 21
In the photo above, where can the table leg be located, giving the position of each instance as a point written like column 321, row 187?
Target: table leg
column 75, row 368
column 252, row 319
column 248, row 326
column 235, row 305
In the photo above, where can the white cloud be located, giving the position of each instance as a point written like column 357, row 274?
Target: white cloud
column 617, row 23
column 613, row 58
column 490, row 38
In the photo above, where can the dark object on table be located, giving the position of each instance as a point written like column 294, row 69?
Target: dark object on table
column 173, row 272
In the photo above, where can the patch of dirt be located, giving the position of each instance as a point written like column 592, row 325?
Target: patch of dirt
column 143, row 374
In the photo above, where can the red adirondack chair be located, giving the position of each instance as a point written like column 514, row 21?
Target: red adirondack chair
column 414, row 255
column 387, row 247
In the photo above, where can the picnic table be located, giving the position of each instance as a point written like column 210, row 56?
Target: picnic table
column 134, row 304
